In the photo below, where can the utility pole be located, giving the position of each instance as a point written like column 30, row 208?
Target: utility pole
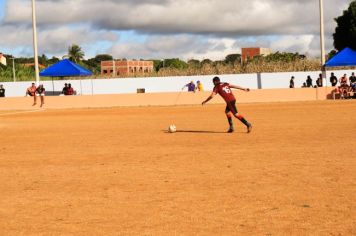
column 13, row 68
column 322, row 41
column 113, row 68
column 35, row 49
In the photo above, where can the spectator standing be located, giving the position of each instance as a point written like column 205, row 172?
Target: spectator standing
column 319, row 81
column 352, row 79
column 344, row 86
column 190, row 86
column 65, row 89
column 40, row 91
column 309, row 82
column 70, row 90
column 2, row 91
column 333, row 80
column 291, row 82
column 200, row 86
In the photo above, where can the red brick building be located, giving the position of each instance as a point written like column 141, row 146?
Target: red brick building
column 40, row 66
column 252, row 52
column 2, row 59
column 124, row 67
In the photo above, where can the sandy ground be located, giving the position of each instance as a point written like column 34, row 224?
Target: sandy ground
column 117, row 172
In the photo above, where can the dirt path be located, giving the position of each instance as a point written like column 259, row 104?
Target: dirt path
column 116, row 171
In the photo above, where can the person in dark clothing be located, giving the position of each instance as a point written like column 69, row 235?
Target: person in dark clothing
column 40, row 91
column 65, row 89
column 291, row 82
column 352, row 80
column 2, row 91
column 309, row 82
column 333, row 80
column 319, row 81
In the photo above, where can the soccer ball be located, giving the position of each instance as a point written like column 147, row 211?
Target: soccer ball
column 172, row 129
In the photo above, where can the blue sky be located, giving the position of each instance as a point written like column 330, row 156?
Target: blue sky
column 164, row 28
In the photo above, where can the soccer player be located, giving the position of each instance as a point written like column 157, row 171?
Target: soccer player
column 224, row 90
column 40, row 91
column 31, row 91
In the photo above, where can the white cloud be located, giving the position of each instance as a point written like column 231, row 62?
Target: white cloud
column 181, row 46
column 184, row 28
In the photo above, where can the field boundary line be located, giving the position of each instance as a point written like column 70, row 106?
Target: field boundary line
column 21, row 112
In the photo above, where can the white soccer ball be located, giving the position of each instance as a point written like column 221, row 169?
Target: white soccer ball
column 172, row 129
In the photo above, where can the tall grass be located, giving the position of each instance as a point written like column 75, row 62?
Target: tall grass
column 209, row 68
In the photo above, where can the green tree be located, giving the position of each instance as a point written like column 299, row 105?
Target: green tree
column 345, row 32
column 193, row 63
column 43, row 59
column 206, row 61
column 103, row 57
column 75, row 53
column 331, row 54
column 157, row 65
column 233, row 58
column 53, row 60
column 175, row 63
column 94, row 64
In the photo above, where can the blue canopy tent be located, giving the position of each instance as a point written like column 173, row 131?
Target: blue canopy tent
column 346, row 57
column 65, row 68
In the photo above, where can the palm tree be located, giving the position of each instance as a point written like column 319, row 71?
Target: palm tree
column 75, row 53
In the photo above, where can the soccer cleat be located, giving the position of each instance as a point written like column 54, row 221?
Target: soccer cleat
column 249, row 128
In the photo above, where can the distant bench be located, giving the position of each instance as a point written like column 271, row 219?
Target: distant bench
column 56, row 93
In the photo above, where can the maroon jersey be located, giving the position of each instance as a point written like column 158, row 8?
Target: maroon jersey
column 224, row 90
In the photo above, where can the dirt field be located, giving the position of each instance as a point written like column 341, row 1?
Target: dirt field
column 117, row 172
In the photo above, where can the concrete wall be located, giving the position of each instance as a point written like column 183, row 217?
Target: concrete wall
column 164, row 99
column 169, row 84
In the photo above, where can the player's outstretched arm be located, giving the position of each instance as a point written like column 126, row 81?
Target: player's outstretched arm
column 239, row 87
column 209, row 98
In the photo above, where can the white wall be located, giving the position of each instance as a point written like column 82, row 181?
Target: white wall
column 169, row 84
column 281, row 80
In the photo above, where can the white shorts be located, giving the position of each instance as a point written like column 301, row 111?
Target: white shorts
column 40, row 95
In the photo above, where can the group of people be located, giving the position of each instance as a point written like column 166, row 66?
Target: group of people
column 68, row 90
column 346, row 85
column 40, row 91
column 193, row 88
column 309, row 82
column 35, row 92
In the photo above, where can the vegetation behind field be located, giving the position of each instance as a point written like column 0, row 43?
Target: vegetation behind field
column 277, row 62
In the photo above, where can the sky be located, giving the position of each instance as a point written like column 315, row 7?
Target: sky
column 156, row 29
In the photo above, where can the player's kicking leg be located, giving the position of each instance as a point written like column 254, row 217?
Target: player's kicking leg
column 244, row 121
column 231, row 108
